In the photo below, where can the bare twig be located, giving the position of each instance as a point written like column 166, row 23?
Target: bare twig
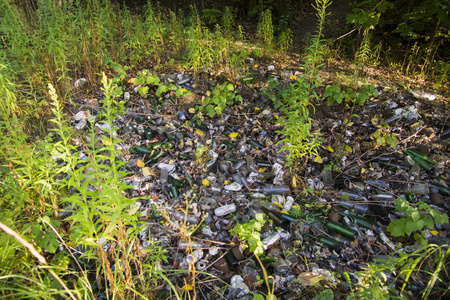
column 342, row 36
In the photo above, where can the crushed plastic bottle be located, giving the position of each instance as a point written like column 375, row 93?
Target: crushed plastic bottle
column 225, row 210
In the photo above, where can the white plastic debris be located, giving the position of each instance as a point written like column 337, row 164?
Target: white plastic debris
column 105, row 127
column 423, row 95
column 252, row 177
column 386, row 240
column 80, row 125
column 80, row 82
column 168, row 167
column 225, row 210
column 81, row 115
column 237, row 282
column 234, row 187
column 288, row 204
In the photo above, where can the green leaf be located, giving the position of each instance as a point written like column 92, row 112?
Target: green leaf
column 143, row 90
column 410, row 227
column 419, row 225
column 376, row 134
column 258, row 297
column 179, row 92
column 381, row 141
column 325, row 295
column 394, row 142
column 216, row 100
column 260, row 218
column 428, row 222
column 415, row 216
column 273, row 84
column 396, row 227
column 161, row 89
column 210, row 110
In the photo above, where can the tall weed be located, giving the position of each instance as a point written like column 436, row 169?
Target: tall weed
column 265, row 31
column 298, row 141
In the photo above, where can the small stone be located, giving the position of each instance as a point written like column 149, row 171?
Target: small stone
column 428, row 131
column 424, row 149
column 436, row 199
column 334, row 216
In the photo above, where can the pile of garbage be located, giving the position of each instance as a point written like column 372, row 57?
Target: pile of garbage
column 199, row 177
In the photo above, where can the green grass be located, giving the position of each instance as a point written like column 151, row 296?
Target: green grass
column 46, row 48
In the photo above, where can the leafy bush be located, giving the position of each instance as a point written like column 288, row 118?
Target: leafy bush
column 415, row 219
column 334, row 94
column 221, row 96
column 297, row 140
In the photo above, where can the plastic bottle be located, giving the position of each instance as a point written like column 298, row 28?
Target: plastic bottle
column 418, row 189
column 182, row 217
column 274, row 189
column 225, row 210
column 327, row 178
column 271, row 240
column 163, row 178
column 288, row 204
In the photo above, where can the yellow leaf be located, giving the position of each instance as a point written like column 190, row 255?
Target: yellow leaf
column 226, row 182
column 374, row 120
column 277, row 204
column 192, row 110
column 363, row 170
column 291, row 77
column 140, row 163
column 233, row 135
column 434, row 232
column 208, row 93
column 146, row 171
column 276, row 116
column 187, row 287
column 318, row 159
column 348, row 148
column 257, row 108
column 294, row 181
column 255, row 66
column 330, row 149
column 199, row 132
column 205, row 182
column 106, row 142
column 260, row 170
